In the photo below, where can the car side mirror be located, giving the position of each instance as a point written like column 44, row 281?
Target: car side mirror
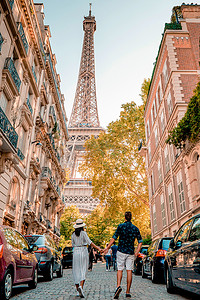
column 178, row 244
column 33, row 248
column 59, row 249
column 172, row 244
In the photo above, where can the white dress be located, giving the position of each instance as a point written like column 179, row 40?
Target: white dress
column 80, row 256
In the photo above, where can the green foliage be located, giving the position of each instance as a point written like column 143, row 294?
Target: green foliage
column 147, row 240
column 68, row 218
column 189, row 126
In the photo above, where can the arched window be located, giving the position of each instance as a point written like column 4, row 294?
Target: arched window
column 14, row 196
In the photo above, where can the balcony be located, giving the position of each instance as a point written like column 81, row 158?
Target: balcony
column 46, row 173
column 9, row 65
column 8, row 130
column 23, row 37
column 172, row 26
column 11, row 3
column 54, row 147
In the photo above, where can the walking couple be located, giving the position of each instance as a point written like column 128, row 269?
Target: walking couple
column 127, row 234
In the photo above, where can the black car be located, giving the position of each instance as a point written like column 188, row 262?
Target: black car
column 138, row 260
column 67, row 256
column 153, row 262
column 182, row 261
column 47, row 254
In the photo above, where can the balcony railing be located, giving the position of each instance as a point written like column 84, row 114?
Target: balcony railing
column 54, row 147
column 20, row 154
column 29, row 105
column 46, row 173
column 11, row 3
column 9, row 65
column 23, row 37
column 33, row 71
column 8, row 129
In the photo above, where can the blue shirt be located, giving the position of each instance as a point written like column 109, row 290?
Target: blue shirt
column 114, row 250
column 127, row 233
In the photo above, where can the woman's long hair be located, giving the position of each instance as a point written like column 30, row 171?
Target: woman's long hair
column 78, row 231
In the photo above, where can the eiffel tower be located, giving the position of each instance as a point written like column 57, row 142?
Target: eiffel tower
column 84, row 122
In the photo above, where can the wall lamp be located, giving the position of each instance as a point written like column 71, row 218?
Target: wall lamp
column 37, row 143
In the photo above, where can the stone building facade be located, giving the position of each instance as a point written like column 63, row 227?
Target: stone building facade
column 33, row 130
column 173, row 175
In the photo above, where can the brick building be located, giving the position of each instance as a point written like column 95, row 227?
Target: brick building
column 33, row 130
column 173, row 175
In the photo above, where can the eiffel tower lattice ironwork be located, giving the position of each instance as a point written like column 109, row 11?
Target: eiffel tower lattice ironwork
column 83, row 124
column 84, row 112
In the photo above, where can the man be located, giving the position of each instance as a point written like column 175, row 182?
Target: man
column 114, row 256
column 127, row 233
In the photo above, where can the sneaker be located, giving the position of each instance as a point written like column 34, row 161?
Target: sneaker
column 80, row 290
column 106, row 270
column 128, row 295
column 77, row 294
column 117, row 292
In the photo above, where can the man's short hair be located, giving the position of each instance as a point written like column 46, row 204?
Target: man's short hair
column 128, row 215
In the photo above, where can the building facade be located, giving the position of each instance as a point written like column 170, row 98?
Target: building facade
column 33, row 130
column 84, row 123
column 173, row 175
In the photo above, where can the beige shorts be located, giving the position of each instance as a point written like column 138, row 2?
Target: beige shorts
column 125, row 261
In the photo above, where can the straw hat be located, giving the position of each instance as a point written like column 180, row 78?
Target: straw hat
column 79, row 223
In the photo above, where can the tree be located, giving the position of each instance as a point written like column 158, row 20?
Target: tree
column 189, row 126
column 67, row 220
column 116, row 169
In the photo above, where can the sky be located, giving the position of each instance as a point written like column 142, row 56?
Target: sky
column 126, row 44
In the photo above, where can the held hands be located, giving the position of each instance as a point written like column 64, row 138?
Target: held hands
column 105, row 251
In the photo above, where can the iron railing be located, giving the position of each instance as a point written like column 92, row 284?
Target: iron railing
column 23, row 36
column 20, row 154
column 9, row 65
column 8, row 129
column 11, row 3
column 46, row 173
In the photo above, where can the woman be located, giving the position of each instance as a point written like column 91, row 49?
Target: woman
column 80, row 240
column 108, row 259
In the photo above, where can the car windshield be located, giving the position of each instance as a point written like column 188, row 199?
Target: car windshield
column 67, row 249
column 143, row 250
column 165, row 244
column 35, row 239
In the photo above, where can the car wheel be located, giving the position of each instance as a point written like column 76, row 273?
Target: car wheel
column 169, row 282
column 144, row 275
column 6, row 286
column 33, row 283
column 154, row 278
column 49, row 275
column 60, row 272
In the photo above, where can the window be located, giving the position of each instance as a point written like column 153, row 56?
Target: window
column 150, row 189
column 195, row 230
column 156, row 136
column 171, row 147
column 147, row 130
column 152, row 184
column 149, row 153
column 10, row 237
column 159, row 172
column 4, row 102
column 163, row 210
column 167, row 165
column 181, row 192
column 162, row 120
column 22, row 140
column 183, row 232
column 165, row 73
column 22, row 243
column 154, row 218
column 169, row 103
column 171, row 202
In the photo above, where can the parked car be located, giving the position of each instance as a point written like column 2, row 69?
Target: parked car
column 138, row 260
column 67, row 256
column 18, row 263
column 182, row 261
column 153, row 262
column 47, row 254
